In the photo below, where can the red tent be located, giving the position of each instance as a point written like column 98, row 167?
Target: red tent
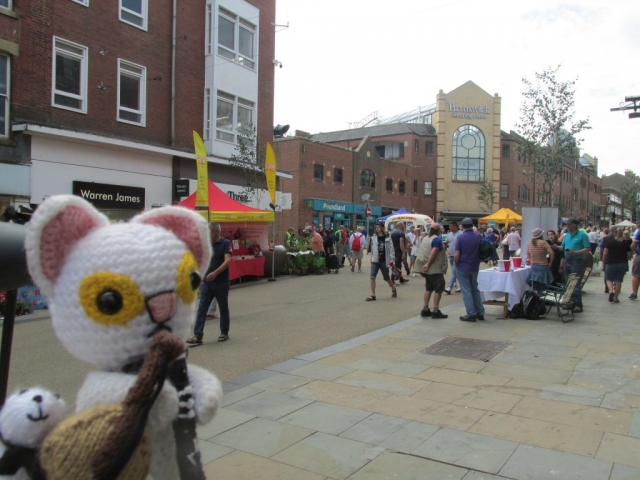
column 223, row 208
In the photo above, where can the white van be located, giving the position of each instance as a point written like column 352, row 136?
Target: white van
column 409, row 219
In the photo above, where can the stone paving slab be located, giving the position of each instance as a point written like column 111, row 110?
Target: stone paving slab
column 269, row 405
column 374, row 429
column 467, row 450
column 533, row 463
column 326, row 418
column 328, row 455
column 243, row 466
column 408, row 437
column 393, row 465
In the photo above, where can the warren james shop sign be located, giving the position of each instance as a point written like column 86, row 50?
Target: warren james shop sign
column 462, row 111
column 117, row 197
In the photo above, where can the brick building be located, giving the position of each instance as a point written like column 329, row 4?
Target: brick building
column 105, row 95
column 428, row 161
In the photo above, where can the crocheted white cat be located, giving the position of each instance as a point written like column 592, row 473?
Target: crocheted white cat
column 111, row 287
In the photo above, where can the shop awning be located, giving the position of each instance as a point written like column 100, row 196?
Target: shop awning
column 223, row 208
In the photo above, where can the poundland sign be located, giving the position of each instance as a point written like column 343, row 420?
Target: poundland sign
column 115, row 197
column 463, row 111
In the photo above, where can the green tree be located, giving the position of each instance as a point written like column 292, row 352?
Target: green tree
column 249, row 161
column 629, row 192
column 549, row 130
column 486, row 194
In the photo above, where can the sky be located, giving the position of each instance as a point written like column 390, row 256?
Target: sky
column 344, row 59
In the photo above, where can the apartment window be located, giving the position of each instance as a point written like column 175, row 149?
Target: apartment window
column 506, row 151
column 134, row 12
column 415, row 187
column 429, row 147
column 233, row 114
column 504, row 190
column 367, row 179
column 416, row 146
column 318, row 171
column 236, row 38
column 5, row 75
column 132, row 97
column 337, row 175
column 69, row 75
column 207, row 114
column 6, row 4
column 401, row 187
column 389, row 185
column 208, row 30
column 428, row 188
column 468, row 154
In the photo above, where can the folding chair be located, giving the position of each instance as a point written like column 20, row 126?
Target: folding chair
column 561, row 297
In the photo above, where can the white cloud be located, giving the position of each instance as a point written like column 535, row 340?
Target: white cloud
column 344, row 60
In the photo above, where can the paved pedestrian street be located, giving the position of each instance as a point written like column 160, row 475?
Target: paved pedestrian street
column 559, row 401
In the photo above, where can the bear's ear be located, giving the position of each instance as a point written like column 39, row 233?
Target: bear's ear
column 188, row 226
column 55, row 228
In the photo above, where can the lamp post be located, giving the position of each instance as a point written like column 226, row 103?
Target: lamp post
column 365, row 199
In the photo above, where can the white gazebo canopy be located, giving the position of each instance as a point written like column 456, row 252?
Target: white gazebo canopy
column 625, row 223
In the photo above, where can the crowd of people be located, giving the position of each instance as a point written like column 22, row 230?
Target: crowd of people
column 431, row 254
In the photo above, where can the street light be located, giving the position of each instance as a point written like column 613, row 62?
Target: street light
column 365, row 199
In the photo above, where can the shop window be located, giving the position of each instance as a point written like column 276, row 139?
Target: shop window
column 415, row 187
column 69, row 75
column 367, row 179
column 233, row 115
column 318, row 171
column 506, row 151
column 401, row 187
column 429, row 147
column 5, row 75
column 504, row 190
column 236, row 38
column 389, row 185
column 416, row 145
column 337, row 175
column 468, row 154
column 132, row 93
column 428, row 188
column 134, row 12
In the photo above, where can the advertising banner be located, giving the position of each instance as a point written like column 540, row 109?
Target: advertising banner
column 202, row 193
column 270, row 172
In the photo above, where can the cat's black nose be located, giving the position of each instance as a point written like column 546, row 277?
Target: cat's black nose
column 37, row 398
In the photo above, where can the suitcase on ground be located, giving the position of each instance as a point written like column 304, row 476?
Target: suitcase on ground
column 333, row 264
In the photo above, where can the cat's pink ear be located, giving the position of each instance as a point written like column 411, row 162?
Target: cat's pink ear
column 185, row 224
column 55, row 228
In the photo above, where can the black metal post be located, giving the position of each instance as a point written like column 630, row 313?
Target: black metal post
column 7, row 335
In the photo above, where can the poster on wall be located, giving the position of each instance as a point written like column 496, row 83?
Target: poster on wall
column 32, row 295
column 246, row 238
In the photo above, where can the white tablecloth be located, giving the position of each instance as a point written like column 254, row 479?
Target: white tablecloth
column 493, row 284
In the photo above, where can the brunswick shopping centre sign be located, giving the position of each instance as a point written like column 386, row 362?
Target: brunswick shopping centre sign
column 469, row 112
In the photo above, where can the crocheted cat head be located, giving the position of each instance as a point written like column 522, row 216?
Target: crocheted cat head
column 112, row 286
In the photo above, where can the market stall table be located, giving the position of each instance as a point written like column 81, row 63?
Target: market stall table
column 246, row 266
column 494, row 285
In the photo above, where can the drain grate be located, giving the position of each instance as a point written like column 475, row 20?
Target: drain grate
column 467, row 348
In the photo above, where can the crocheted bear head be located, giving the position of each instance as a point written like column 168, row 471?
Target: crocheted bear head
column 112, row 286
column 29, row 415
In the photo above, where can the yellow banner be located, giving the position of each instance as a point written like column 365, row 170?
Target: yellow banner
column 270, row 172
column 202, row 193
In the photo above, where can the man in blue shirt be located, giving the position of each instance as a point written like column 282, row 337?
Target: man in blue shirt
column 575, row 244
column 467, row 260
column 635, row 266
column 215, row 285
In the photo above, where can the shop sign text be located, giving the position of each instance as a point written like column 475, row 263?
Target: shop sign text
column 463, row 111
column 107, row 196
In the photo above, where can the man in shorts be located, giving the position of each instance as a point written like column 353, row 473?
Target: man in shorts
column 431, row 261
column 356, row 255
column 635, row 266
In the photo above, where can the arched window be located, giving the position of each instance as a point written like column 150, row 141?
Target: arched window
column 367, row 179
column 468, row 154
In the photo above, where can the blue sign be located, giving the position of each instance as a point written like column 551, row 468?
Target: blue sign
column 340, row 207
column 32, row 295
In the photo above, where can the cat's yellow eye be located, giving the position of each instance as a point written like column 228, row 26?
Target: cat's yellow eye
column 111, row 298
column 188, row 279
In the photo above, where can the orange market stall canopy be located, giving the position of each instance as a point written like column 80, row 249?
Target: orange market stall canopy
column 222, row 208
column 503, row 216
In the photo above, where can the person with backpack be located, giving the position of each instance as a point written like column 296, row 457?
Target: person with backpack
column 356, row 244
column 382, row 255
column 539, row 276
column 431, row 262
